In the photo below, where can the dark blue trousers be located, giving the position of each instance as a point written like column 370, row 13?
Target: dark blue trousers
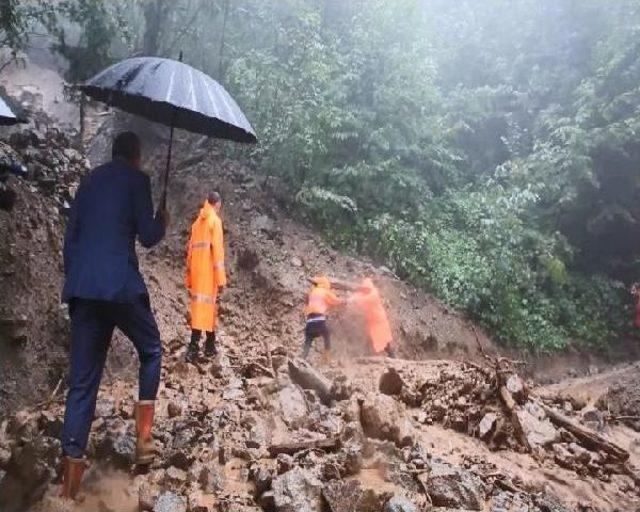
column 92, row 324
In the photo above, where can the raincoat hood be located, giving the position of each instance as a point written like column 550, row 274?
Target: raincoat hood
column 206, row 211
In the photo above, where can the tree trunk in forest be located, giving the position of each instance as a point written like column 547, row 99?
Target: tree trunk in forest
column 154, row 12
column 221, row 52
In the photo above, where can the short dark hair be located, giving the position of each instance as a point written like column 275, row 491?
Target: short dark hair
column 214, row 197
column 126, row 145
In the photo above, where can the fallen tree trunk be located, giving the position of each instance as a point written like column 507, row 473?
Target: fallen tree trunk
column 295, row 447
column 588, row 437
column 307, row 377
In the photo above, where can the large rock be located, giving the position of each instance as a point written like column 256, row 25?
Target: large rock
column 307, row 377
column 296, row 490
column 383, row 418
column 536, row 426
column 448, row 486
column 292, row 405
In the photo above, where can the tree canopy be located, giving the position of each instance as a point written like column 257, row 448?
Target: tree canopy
column 485, row 150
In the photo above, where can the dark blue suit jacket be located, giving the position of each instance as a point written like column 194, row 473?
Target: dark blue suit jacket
column 112, row 207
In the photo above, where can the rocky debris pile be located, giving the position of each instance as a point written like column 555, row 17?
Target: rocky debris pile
column 491, row 402
column 249, row 437
column 46, row 157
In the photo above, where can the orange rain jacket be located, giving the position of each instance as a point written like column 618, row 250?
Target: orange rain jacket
column 205, row 268
column 320, row 297
column 368, row 299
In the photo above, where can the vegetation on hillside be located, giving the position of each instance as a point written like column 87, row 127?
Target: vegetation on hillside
column 487, row 151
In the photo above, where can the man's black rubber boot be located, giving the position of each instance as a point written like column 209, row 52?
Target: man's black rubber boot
column 210, row 349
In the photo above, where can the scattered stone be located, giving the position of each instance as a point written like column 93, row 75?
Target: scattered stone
column 174, row 409
column 170, row 502
column 448, row 486
column 400, row 504
column 342, row 496
column 391, row 383
column 487, row 426
column 147, row 497
column 297, row 490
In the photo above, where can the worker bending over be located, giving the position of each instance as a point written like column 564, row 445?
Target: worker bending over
column 319, row 300
column 367, row 298
column 205, row 278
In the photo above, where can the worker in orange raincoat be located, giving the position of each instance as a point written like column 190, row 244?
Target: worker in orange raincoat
column 635, row 291
column 205, row 276
column 319, row 300
column 367, row 298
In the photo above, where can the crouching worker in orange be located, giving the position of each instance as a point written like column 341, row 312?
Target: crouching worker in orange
column 206, row 276
column 367, row 298
column 319, row 300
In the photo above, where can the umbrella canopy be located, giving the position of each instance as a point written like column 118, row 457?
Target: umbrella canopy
column 10, row 112
column 172, row 93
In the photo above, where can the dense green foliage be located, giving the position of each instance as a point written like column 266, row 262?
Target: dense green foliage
column 486, row 150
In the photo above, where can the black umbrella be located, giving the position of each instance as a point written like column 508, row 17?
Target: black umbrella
column 10, row 112
column 172, row 93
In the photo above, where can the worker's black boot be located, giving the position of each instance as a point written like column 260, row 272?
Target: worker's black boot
column 390, row 352
column 194, row 348
column 210, row 345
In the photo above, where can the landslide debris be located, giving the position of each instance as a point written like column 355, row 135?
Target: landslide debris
column 41, row 168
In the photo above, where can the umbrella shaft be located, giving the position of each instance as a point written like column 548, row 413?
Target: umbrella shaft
column 166, row 172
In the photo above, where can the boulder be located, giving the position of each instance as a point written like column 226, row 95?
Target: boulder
column 383, row 418
column 297, row 490
column 537, row 428
column 307, row 377
column 448, row 486
column 292, row 405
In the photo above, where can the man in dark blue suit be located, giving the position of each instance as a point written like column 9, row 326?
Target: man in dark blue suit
column 104, row 289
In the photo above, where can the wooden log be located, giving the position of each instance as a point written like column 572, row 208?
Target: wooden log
column 587, row 437
column 328, row 444
column 307, row 377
